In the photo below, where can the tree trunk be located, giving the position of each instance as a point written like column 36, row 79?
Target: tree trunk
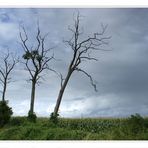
column 4, row 90
column 32, row 97
column 61, row 92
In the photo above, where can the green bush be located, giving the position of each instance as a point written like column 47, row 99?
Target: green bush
column 134, row 124
column 146, row 122
column 32, row 117
column 54, row 118
column 5, row 113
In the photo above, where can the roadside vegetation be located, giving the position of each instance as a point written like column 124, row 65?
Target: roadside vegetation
column 20, row 128
column 35, row 60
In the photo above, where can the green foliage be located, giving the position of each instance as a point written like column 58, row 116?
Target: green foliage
column 65, row 134
column 39, row 57
column 135, row 124
column 27, row 55
column 5, row 113
column 146, row 122
column 33, row 54
column 17, row 121
column 131, row 128
column 32, row 133
column 31, row 117
column 19, row 128
column 13, row 133
column 88, row 124
column 54, row 118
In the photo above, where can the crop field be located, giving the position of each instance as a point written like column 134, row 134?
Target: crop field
column 132, row 128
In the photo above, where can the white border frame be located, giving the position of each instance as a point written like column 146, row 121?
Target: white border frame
column 74, row 4
column 74, row 144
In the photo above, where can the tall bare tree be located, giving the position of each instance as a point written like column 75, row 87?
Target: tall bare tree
column 8, row 62
column 82, row 49
column 36, row 60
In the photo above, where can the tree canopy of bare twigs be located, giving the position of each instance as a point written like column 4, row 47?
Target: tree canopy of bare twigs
column 8, row 62
column 36, row 59
column 82, row 49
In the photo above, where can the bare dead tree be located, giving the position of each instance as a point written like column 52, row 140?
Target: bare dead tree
column 82, row 49
column 36, row 60
column 8, row 62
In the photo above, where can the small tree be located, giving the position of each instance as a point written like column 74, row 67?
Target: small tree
column 8, row 62
column 5, row 113
column 82, row 49
column 36, row 61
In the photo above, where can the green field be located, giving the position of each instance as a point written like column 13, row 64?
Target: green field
column 19, row 128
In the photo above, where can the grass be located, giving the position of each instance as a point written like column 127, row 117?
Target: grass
column 19, row 128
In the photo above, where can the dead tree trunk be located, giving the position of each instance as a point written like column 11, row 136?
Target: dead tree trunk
column 63, row 86
column 82, row 48
column 36, row 61
column 8, row 63
column 4, row 89
column 32, row 97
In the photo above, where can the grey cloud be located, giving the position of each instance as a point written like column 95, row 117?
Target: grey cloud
column 121, row 74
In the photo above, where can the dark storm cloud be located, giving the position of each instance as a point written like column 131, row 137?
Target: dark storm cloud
column 121, row 74
column 123, row 71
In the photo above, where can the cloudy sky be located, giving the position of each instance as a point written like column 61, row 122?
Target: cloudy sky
column 121, row 74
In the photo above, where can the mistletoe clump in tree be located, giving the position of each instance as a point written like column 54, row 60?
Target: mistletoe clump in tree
column 82, row 48
column 36, row 61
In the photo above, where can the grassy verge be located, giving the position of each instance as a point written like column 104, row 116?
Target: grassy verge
column 19, row 128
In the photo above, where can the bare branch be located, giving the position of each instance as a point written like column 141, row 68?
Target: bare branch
column 1, row 81
column 28, row 68
column 2, row 73
column 24, row 39
column 36, row 60
column 89, row 76
column 88, row 58
column 7, row 65
column 37, row 38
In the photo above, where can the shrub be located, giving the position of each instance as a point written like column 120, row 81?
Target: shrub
column 31, row 116
column 54, row 118
column 146, row 122
column 135, row 124
column 5, row 113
